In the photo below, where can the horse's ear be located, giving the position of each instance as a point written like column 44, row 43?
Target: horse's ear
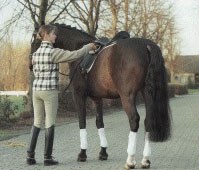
column 36, row 25
column 42, row 23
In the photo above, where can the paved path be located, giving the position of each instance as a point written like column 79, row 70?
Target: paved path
column 181, row 152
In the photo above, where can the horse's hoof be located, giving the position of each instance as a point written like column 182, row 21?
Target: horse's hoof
column 145, row 164
column 127, row 166
column 103, row 154
column 103, row 157
column 82, row 156
column 81, row 159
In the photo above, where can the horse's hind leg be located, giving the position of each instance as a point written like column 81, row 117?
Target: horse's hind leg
column 129, row 105
column 101, row 131
column 145, row 164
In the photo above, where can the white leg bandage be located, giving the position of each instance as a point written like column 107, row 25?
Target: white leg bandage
column 131, row 150
column 146, row 153
column 83, row 139
column 147, row 146
column 102, row 136
column 131, row 160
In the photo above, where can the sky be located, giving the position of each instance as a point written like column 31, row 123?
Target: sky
column 187, row 20
column 186, row 14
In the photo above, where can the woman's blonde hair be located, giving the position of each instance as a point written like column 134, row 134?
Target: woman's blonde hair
column 46, row 29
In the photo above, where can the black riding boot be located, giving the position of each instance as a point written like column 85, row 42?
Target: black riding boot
column 49, row 138
column 31, row 149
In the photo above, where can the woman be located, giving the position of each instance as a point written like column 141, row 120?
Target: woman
column 45, row 89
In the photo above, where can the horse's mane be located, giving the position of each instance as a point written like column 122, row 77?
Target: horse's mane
column 73, row 28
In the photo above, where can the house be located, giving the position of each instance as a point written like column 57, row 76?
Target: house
column 186, row 70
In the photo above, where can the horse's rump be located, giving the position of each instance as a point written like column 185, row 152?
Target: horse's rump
column 120, row 68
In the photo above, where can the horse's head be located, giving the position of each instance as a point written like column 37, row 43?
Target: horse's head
column 68, row 38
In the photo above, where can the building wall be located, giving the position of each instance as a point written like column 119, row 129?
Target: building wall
column 184, row 78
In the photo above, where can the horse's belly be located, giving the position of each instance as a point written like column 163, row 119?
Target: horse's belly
column 103, row 86
column 106, row 93
column 100, row 81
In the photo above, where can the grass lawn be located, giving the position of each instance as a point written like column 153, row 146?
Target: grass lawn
column 193, row 91
column 7, row 134
column 8, row 130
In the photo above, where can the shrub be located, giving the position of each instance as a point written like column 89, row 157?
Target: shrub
column 7, row 110
column 180, row 89
column 191, row 84
column 171, row 90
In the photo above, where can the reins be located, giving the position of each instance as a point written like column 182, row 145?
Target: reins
column 63, row 74
column 75, row 70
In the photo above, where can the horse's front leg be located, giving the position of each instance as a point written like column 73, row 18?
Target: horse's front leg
column 81, row 108
column 101, row 131
column 128, row 103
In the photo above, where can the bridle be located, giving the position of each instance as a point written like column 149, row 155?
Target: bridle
column 73, row 75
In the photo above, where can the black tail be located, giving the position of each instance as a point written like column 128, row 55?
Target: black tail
column 158, row 118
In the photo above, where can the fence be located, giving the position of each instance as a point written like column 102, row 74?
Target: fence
column 14, row 93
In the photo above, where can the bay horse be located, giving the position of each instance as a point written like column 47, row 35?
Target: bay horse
column 120, row 71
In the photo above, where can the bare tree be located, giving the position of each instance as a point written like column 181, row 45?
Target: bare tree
column 41, row 12
column 31, row 14
column 13, row 65
column 109, row 20
column 126, row 14
column 171, row 49
column 7, row 25
column 115, row 8
column 152, row 19
column 86, row 12
column 3, row 4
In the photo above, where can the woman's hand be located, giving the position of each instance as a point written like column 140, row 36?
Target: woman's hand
column 92, row 46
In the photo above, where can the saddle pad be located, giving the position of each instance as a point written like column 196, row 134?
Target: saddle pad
column 87, row 63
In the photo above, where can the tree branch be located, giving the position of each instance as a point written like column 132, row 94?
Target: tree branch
column 64, row 9
column 10, row 22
